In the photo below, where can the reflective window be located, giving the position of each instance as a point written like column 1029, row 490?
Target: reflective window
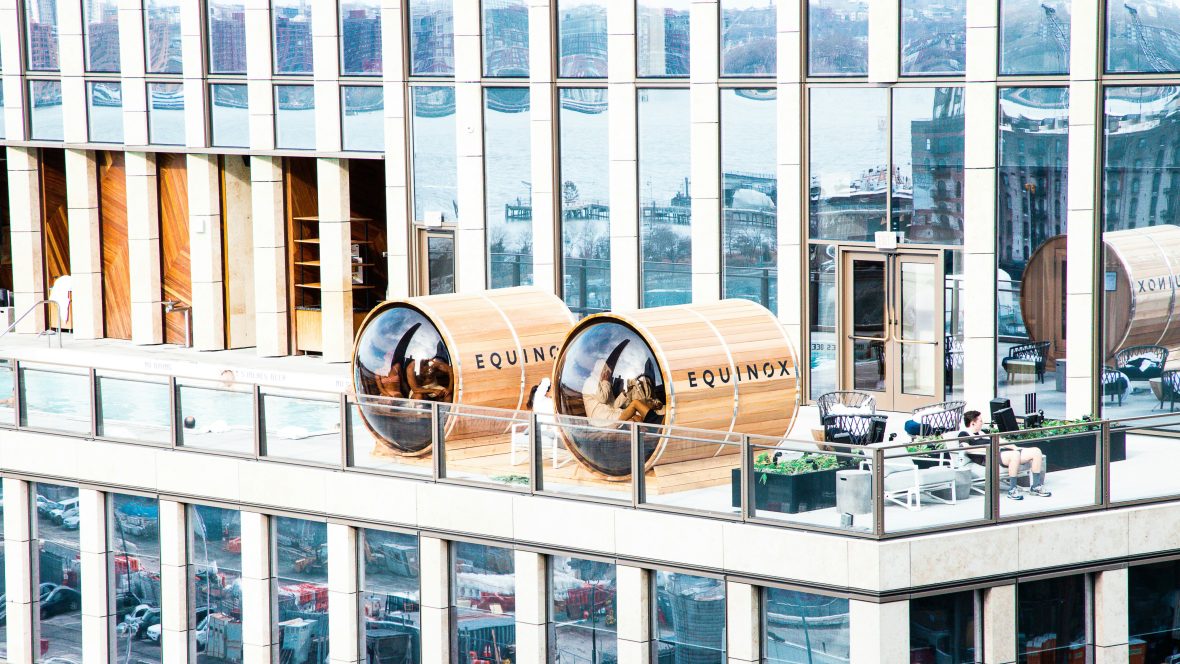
column 360, row 37
column 1034, row 36
column 301, row 589
column 229, row 116
column 933, row 37
column 1141, row 36
column 104, row 107
column 928, row 161
column 1151, row 610
column 58, row 573
column 166, row 113
column 1141, row 179
column 4, row 623
column 942, row 628
column 363, row 122
column 215, row 588
column 584, row 156
column 1031, row 218
column 483, row 592
column 390, row 597
column 748, row 32
column 435, row 174
column 135, row 565
column 1051, row 620
column 291, row 23
column 749, row 194
column 581, row 38
column 583, row 610
column 45, row 120
column 690, row 618
column 505, row 37
column 954, row 314
column 41, row 47
column 802, row 627
column 849, row 162
column 2, row 132
column 821, row 305
column 227, row 37
column 162, row 26
column 665, row 202
column 295, row 117
column 432, row 37
column 838, row 37
column 507, row 150
column 100, row 30
column 661, row 37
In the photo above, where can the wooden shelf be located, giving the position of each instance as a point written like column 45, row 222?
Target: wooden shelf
column 313, row 286
column 308, row 263
column 317, row 219
column 310, row 240
column 316, row 286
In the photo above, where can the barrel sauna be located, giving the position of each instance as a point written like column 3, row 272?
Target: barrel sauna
column 725, row 366
column 478, row 350
column 1140, row 298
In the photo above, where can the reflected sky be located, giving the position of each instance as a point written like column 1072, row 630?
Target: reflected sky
column 838, row 37
column 1034, row 36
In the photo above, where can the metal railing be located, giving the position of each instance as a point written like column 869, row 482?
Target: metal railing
column 881, row 491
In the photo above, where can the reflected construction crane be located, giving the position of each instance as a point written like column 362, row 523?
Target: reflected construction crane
column 1052, row 29
column 1139, row 35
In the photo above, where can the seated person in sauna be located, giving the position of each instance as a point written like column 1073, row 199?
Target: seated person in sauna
column 432, row 380
column 393, row 383
column 603, row 407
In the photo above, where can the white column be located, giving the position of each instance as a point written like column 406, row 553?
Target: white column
column 792, row 208
column 258, row 75
column 532, row 608
column 624, row 186
column 98, row 615
column 72, row 63
column 28, row 266
column 546, row 241
column 884, row 42
column 743, row 623
column 397, row 205
column 85, row 243
column 634, row 614
column 979, row 209
column 344, row 638
column 204, row 208
column 18, row 570
column 12, row 60
column 192, row 47
column 1083, row 222
column 270, row 256
column 143, row 247
column 434, row 575
column 325, row 35
column 470, row 233
column 705, row 141
column 335, row 230
column 999, row 625
column 1111, row 628
column 879, row 633
column 132, row 68
column 258, row 634
column 176, row 629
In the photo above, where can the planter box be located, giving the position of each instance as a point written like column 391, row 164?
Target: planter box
column 788, row 494
column 1079, row 450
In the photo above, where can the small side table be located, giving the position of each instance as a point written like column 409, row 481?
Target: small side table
column 854, row 491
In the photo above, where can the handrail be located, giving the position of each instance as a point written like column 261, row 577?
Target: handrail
column 30, row 310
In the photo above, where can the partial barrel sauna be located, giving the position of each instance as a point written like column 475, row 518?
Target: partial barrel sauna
column 481, row 349
column 724, row 366
column 1140, row 291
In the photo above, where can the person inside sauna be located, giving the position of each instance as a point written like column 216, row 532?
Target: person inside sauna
column 392, row 384
column 432, row 380
column 631, row 404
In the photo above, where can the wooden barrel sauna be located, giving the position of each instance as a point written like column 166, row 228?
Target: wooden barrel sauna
column 483, row 349
column 1141, row 302
column 724, row 366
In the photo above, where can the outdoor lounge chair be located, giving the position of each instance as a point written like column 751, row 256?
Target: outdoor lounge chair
column 1034, row 352
column 1170, row 387
column 905, row 482
column 939, row 418
column 845, row 402
column 1141, row 363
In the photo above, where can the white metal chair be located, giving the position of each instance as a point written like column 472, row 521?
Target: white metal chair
column 545, row 436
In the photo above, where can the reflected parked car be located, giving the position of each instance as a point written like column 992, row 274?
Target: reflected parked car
column 46, row 506
column 62, row 599
column 202, row 631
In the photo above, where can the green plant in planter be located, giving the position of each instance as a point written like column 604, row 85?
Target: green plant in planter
column 1053, row 428
column 926, row 444
column 512, row 479
column 810, row 462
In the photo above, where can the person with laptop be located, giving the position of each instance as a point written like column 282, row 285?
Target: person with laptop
column 1011, row 456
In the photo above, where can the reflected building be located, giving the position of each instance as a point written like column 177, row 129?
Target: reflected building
column 360, row 29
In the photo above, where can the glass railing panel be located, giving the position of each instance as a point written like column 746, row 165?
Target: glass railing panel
column 55, row 399
column 1068, row 460
column 485, row 445
column 813, row 484
column 216, row 418
column 303, row 428
column 1144, row 454
column 692, row 469
column 934, row 483
column 134, row 409
column 390, row 434
column 7, row 393
column 579, row 459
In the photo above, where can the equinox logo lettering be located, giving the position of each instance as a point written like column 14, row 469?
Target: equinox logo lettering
column 511, row 358
column 743, row 374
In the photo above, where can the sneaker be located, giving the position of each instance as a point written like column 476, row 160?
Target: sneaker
column 1014, row 493
column 1040, row 491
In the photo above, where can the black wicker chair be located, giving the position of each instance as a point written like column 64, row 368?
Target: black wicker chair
column 1114, row 384
column 850, row 400
column 1035, row 352
column 939, row 418
column 1170, row 388
column 1139, row 363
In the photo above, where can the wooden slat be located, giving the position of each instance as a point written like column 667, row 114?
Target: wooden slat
column 116, row 268
column 55, row 235
column 176, row 266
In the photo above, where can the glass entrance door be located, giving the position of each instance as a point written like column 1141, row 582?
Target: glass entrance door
column 436, row 262
column 892, row 327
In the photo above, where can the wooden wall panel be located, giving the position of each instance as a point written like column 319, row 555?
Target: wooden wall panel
column 55, row 235
column 176, row 268
column 116, row 267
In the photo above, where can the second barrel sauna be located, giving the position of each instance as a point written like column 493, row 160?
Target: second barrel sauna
column 472, row 350
column 723, row 366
